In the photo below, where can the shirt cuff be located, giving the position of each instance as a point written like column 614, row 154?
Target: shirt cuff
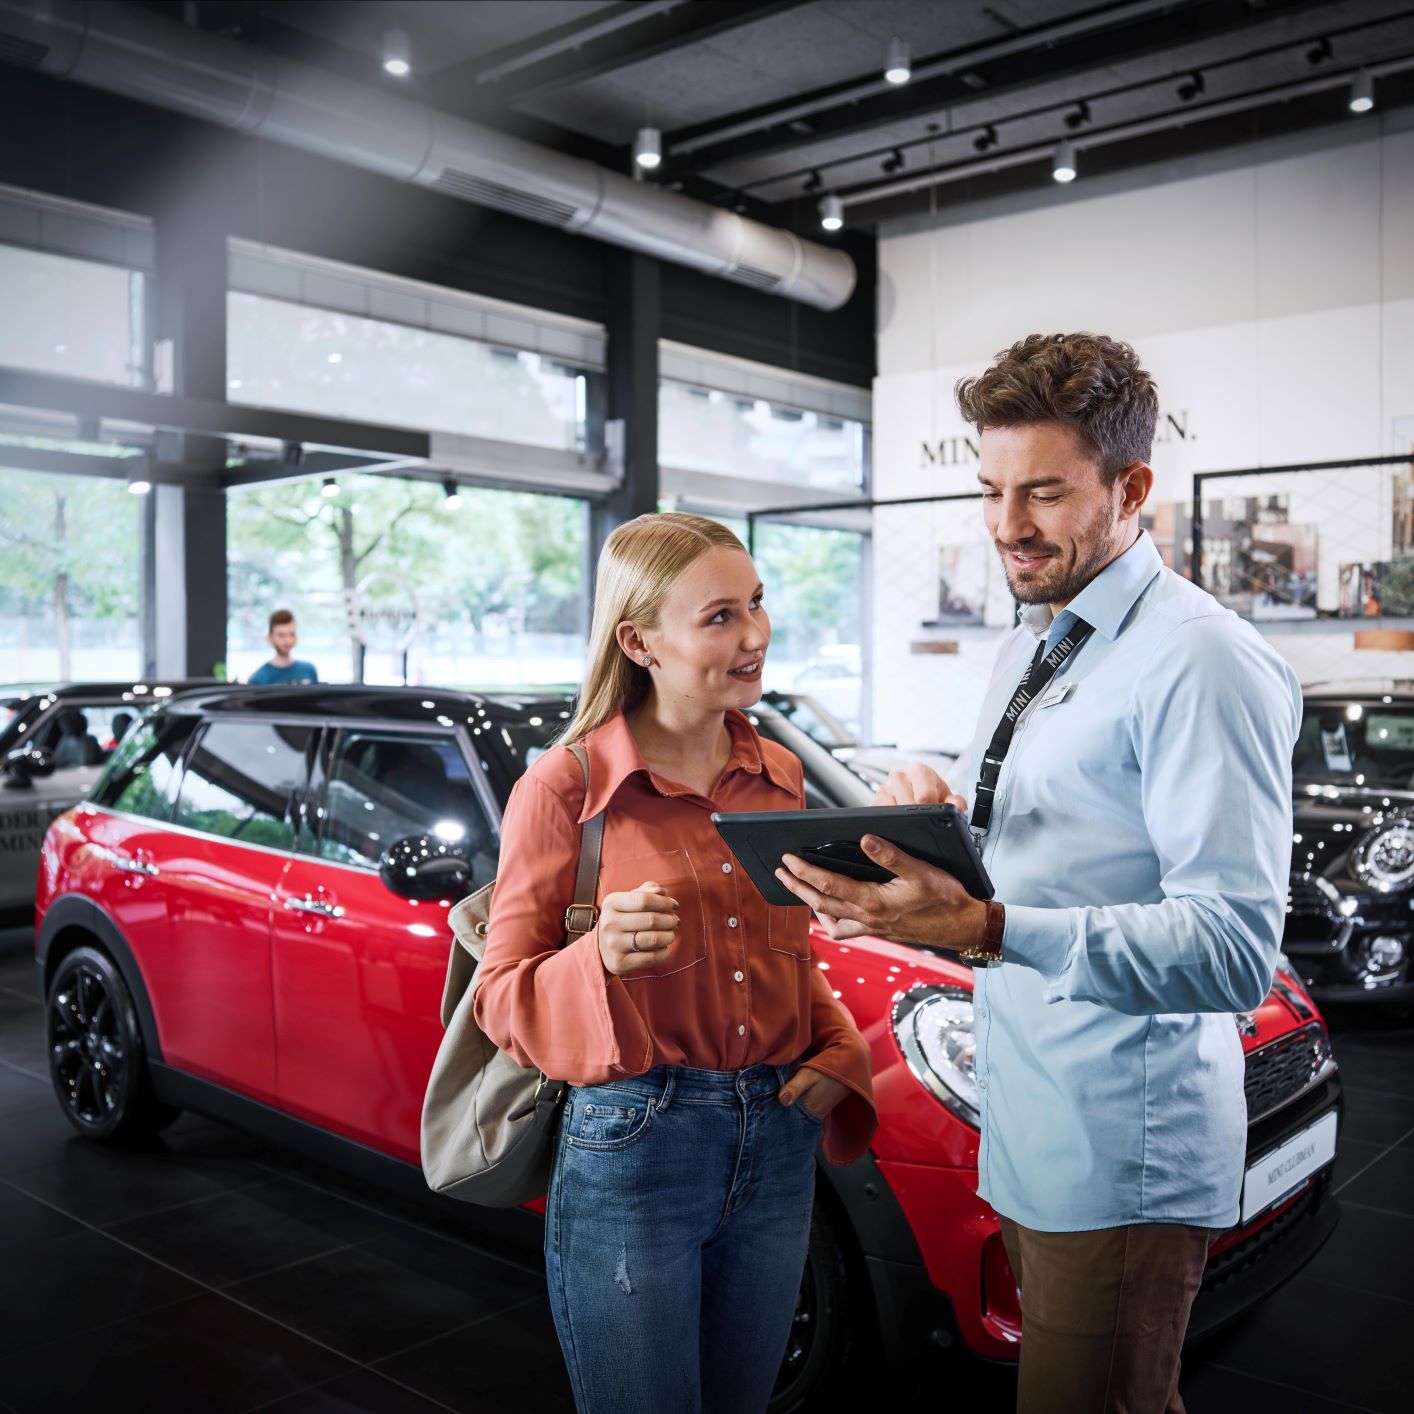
column 1039, row 938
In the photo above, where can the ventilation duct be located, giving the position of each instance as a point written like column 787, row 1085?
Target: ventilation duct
column 139, row 55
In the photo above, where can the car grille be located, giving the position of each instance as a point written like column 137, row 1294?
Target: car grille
column 1309, row 915
column 1280, row 1071
column 1253, row 1248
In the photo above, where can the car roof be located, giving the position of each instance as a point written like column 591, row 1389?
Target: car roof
column 1361, row 687
column 404, row 704
column 125, row 690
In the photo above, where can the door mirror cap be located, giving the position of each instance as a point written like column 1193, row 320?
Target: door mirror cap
column 24, row 763
column 424, row 867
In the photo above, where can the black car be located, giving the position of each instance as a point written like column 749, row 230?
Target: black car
column 1350, row 916
column 54, row 743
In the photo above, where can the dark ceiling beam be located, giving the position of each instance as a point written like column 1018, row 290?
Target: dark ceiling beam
column 571, row 54
column 21, row 388
column 1057, row 105
column 729, row 131
column 1042, row 54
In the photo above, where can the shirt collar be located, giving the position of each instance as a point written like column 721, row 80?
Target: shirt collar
column 1106, row 601
column 614, row 757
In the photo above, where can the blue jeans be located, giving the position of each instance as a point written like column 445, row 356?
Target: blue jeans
column 675, row 1236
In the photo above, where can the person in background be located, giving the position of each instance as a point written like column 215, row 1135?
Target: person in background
column 283, row 668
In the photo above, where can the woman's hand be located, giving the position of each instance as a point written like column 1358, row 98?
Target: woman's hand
column 636, row 929
column 918, row 785
column 815, row 1091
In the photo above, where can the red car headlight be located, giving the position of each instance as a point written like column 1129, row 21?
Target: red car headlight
column 935, row 1031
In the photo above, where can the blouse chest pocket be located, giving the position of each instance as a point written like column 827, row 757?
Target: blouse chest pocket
column 673, row 870
column 788, row 931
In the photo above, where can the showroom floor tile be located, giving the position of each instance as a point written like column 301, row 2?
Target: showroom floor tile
column 213, row 1272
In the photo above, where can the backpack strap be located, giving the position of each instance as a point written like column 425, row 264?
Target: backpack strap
column 582, row 915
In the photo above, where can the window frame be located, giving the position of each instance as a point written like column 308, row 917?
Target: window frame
column 296, row 806
column 320, row 778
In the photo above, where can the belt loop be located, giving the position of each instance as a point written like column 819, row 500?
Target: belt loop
column 669, row 1083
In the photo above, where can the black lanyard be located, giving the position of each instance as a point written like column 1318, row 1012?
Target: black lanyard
column 1033, row 683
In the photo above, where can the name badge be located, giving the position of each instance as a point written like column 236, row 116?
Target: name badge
column 1055, row 698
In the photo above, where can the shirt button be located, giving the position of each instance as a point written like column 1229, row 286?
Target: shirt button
column 740, row 976
column 741, row 1031
column 731, row 922
column 726, row 869
column 983, row 1082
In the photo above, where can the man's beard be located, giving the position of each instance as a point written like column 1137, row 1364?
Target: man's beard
column 1097, row 548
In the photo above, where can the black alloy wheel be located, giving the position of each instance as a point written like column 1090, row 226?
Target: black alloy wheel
column 819, row 1341
column 96, row 1059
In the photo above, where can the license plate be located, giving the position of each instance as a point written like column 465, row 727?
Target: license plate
column 1284, row 1170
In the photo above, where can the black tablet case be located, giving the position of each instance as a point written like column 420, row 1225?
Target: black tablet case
column 936, row 834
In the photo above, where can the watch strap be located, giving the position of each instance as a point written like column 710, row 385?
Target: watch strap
column 989, row 949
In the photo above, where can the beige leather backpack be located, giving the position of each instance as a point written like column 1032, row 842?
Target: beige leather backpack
column 488, row 1124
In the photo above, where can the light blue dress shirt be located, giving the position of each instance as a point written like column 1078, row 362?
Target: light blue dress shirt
column 1141, row 841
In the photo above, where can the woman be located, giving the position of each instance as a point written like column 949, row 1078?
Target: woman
column 707, row 1055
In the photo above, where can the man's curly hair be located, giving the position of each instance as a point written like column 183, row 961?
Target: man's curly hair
column 1089, row 382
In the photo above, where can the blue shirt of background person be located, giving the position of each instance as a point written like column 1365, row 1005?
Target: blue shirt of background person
column 282, row 668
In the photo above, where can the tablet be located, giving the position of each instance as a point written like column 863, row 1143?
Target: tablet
column 936, row 834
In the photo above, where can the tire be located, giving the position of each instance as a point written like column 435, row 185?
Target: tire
column 97, row 1064
column 819, row 1343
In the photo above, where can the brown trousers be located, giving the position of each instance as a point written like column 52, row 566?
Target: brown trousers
column 1103, row 1315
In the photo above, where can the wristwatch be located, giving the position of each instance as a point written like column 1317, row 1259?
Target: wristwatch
column 990, row 947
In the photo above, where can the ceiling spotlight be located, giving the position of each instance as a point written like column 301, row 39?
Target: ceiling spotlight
column 1192, row 86
column 453, row 496
column 831, row 213
column 648, row 148
column 397, row 53
column 813, row 182
column 1362, row 93
column 1078, row 116
column 894, row 163
column 1320, row 53
column 986, row 139
column 138, row 483
column 1063, row 164
column 330, row 487
column 896, row 65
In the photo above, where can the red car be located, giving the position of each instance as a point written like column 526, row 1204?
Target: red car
column 248, row 919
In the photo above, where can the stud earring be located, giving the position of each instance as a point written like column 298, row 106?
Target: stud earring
column 647, row 661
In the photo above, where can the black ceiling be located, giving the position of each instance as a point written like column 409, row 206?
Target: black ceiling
column 769, row 104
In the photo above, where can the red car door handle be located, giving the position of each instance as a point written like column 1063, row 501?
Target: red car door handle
column 135, row 866
column 320, row 906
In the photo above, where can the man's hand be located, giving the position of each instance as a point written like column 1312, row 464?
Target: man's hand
column 922, row 905
column 918, row 785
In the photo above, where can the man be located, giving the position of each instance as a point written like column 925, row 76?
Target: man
column 1132, row 784
column 283, row 668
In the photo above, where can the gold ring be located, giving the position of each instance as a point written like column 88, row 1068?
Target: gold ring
column 634, row 941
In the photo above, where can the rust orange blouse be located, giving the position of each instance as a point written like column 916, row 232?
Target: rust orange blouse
column 740, row 984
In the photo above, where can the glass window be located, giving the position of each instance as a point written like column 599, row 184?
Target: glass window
column 814, row 582
column 242, row 782
column 492, row 593
column 75, row 317
column 1347, row 743
column 705, row 429
column 306, row 359
column 83, row 734
column 69, row 591
column 384, row 786
column 142, row 774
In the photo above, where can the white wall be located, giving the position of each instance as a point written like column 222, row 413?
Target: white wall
column 1271, row 294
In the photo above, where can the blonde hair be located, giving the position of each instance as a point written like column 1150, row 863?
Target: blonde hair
column 640, row 563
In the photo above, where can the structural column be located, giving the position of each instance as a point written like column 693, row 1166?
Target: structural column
column 632, row 324
column 185, row 620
